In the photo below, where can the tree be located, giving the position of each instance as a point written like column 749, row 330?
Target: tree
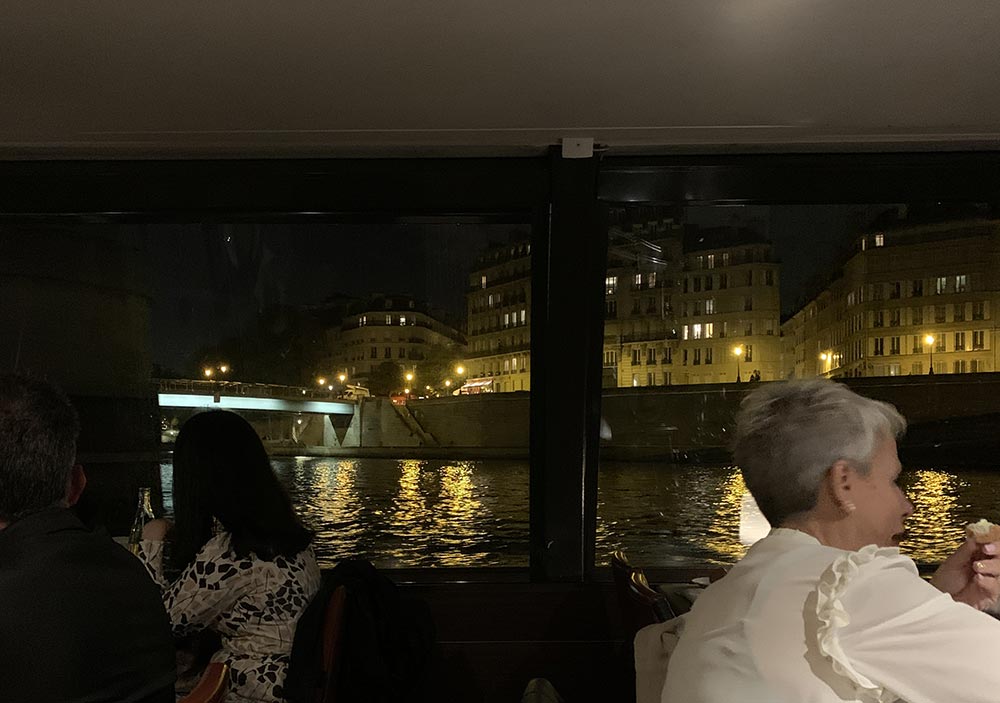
column 386, row 378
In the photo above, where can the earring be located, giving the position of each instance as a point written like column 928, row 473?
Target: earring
column 849, row 506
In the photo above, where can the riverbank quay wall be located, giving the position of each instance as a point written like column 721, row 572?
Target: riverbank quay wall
column 946, row 413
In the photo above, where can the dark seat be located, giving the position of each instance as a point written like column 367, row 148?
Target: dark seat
column 333, row 628
column 211, row 687
column 641, row 604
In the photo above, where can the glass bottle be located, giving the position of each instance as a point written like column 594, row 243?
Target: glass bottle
column 143, row 513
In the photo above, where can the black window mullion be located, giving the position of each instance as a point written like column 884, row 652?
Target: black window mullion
column 567, row 335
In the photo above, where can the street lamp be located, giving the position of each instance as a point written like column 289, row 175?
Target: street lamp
column 447, row 383
column 409, row 376
column 320, row 381
column 738, row 351
column 342, row 377
column 929, row 341
column 827, row 359
column 224, row 368
column 460, row 369
column 208, row 372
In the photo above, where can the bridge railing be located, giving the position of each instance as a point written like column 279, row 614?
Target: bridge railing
column 239, row 388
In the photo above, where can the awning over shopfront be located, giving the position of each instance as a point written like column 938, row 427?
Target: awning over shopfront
column 477, row 385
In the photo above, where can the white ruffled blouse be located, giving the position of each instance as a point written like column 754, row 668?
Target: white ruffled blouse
column 796, row 622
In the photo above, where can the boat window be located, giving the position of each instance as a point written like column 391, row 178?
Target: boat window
column 837, row 291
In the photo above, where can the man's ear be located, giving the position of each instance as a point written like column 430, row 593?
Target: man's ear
column 77, row 482
column 841, row 480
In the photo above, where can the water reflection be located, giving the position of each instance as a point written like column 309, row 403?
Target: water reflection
column 700, row 512
column 403, row 513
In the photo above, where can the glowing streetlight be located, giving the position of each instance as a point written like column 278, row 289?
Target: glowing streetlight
column 330, row 387
column 224, row 368
column 406, row 391
column 342, row 377
column 208, row 372
column 929, row 341
column 738, row 352
column 460, row 369
column 447, row 383
column 824, row 356
column 320, row 381
column 409, row 377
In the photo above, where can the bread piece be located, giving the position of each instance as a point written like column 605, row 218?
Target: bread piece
column 983, row 531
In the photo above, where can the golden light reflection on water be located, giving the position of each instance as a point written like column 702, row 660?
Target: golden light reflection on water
column 328, row 502
column 937, row 525
column 437, row 510
column 724, row 532
column 687, row 514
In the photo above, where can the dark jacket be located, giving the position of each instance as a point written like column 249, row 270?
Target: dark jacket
column 80, row 620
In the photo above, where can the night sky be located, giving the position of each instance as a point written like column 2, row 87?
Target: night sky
column 208, row 282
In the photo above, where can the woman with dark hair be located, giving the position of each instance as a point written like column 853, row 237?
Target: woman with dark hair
column 247, row 570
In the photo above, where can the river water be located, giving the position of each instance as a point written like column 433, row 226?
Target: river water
column 431, row 513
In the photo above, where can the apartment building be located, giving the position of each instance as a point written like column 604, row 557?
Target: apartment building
column 912, row 299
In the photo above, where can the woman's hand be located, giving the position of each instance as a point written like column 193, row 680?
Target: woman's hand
column 970, row 575
column 156, row 530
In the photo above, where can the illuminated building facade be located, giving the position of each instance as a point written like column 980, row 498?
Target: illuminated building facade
column 911, row 298
column 394, row 329
column 499, row 320
column 690, row 297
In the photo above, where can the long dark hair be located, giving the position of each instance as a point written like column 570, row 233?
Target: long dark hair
column 222, row 471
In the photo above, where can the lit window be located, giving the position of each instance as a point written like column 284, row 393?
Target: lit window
column 638, row 280
column 879, row 242
column 506, row 319
column 388, row 319
column 362, row 321
column 709, row 330
column 635, row 379
column 941, row 285
column 710, row 306
column 725, row 258
column 482, row 281
column 524, row 315
column 651, row 279
column 402, row 320
column 711, row 261
column 684, row 332
column 697, row 331
column 961, row 283
column 610, row 285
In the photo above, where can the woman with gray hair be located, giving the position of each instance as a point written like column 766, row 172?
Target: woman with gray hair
column 825, row 608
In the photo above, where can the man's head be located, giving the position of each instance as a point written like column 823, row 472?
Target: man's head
column 38, row 431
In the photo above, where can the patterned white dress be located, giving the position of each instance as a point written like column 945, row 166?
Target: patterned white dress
column 252, row 604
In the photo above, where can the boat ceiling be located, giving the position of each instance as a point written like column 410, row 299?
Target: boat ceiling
column 469, row 77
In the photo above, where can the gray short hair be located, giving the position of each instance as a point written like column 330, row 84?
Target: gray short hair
column 788, row 434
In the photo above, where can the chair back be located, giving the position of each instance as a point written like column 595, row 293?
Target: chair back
column 640, row 604
column 212, row 685
column 332, row 644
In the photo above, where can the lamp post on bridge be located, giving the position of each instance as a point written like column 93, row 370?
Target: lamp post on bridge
column 738, row 352
column 929, row 341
